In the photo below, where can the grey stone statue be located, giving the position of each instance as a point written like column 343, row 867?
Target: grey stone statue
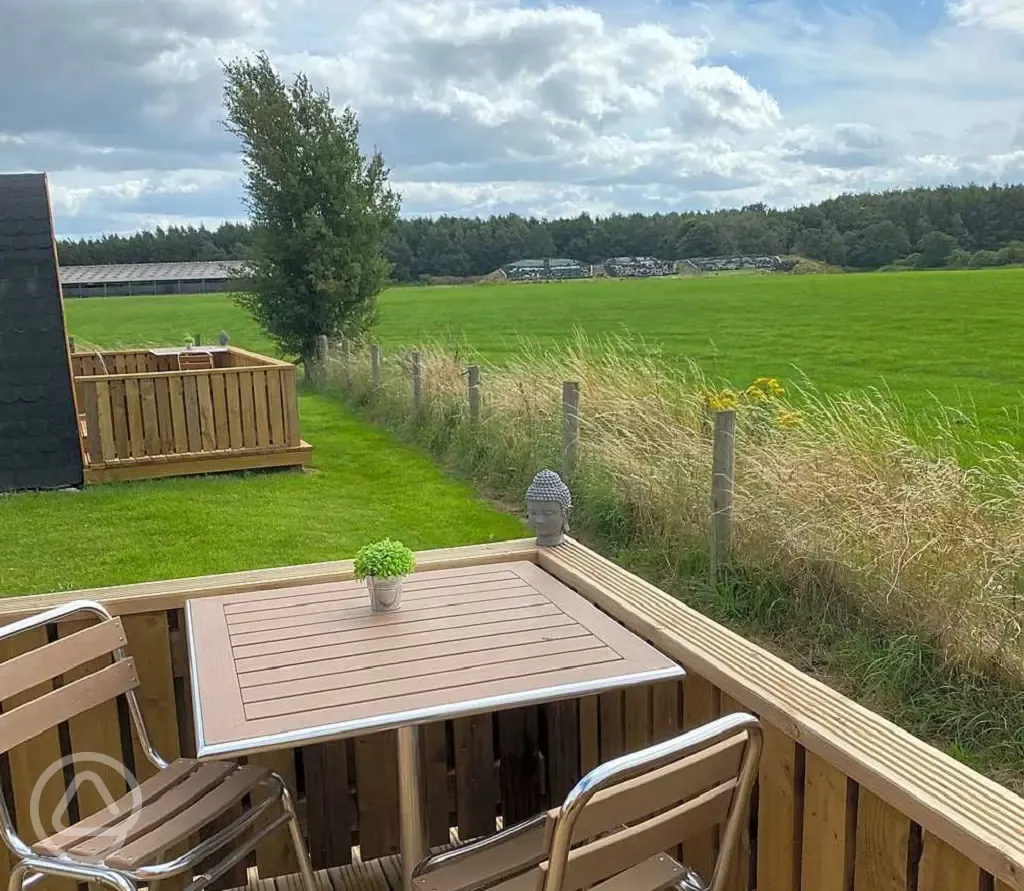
column 548, row 505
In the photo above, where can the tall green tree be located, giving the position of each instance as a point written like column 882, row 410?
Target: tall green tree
column 936, row 248
column 320, row 209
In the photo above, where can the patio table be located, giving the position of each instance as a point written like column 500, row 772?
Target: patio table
column 276, row 668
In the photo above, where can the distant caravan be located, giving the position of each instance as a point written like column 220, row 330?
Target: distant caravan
column 638, row 267
column 547, row 269
column 739, row 261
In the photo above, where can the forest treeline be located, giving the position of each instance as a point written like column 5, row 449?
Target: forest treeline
column 972, row 226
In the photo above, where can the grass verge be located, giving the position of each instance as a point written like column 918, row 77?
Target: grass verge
column 362, row 485
column 880, row 565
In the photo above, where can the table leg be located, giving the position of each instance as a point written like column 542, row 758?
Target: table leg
column 413, row 827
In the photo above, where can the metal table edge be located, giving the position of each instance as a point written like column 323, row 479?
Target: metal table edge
column 344, row 729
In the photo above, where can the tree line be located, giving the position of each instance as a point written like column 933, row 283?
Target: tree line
column 972, row 226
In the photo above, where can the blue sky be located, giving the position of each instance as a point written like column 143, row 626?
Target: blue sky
column 535, row 106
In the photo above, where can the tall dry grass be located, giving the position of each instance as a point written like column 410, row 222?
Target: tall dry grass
column 846, row 507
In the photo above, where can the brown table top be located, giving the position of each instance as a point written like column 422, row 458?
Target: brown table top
column 276, row 668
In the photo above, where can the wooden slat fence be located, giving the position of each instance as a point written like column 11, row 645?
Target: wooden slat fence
column 144, row 415
column 120, row 362
column 142, row 361
column 820, row 820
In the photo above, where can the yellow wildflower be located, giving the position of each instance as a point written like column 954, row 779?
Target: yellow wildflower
column 770, row 386
column 789, row 418
column 721, row 401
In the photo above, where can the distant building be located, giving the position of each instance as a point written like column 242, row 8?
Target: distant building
column 638, row 267
column 547, row 269
column 729, row 264
column 127, row 279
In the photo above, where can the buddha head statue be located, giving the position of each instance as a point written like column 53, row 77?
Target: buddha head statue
column 548, row 505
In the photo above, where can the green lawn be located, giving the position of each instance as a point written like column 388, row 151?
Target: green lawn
column 951, row 336
column 362, row 485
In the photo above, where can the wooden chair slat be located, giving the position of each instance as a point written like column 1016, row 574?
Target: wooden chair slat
column 636, row 799
column 148, row 791
column 487, row 866
column 195, row 361
column 203, row 780
column 596, row 861
column 189, row 821
column 43, row 663
column 29, row 720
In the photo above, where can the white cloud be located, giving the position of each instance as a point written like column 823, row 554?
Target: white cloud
column 487, row 106
column 993, row 13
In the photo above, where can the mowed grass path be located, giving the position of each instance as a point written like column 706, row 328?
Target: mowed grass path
column 954, row 337
column 364, row 486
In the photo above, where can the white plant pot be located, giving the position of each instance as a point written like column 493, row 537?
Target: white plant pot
column 385, row 594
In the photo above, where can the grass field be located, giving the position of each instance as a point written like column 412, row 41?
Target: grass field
column 950, row 337
column 363, row 485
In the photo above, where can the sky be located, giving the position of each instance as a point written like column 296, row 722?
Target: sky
column 540, row 107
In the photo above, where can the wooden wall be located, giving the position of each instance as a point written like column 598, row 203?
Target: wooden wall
column 823, row 817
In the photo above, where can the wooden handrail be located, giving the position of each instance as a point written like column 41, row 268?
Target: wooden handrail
column 263, row 360
column 164, row 595
column 154, row 375
column 258, row 360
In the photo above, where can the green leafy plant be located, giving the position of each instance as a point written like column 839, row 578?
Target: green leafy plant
column 384, row 559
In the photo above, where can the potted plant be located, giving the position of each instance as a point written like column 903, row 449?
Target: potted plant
column 384, row 564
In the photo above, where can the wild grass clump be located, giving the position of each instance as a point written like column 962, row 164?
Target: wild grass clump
column 837, row 499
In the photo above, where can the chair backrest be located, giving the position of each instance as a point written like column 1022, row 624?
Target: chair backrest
column 195, row 360
column 33, row 672
column 633, row 808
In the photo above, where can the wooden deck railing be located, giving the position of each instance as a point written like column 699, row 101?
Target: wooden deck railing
column 845, row 801
column 86, row 364
column 144, row 412
column 179, row 412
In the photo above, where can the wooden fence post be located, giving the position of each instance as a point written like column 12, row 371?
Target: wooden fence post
column 722, row 487
column 473, row 374
column 570, row 427
column 417, row 381
column 346, row 373
column 375, row 365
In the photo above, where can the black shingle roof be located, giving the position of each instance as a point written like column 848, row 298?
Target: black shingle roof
column 39, row 445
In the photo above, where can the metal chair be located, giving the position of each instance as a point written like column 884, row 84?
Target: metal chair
column 124, row 844
column 613, row 829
